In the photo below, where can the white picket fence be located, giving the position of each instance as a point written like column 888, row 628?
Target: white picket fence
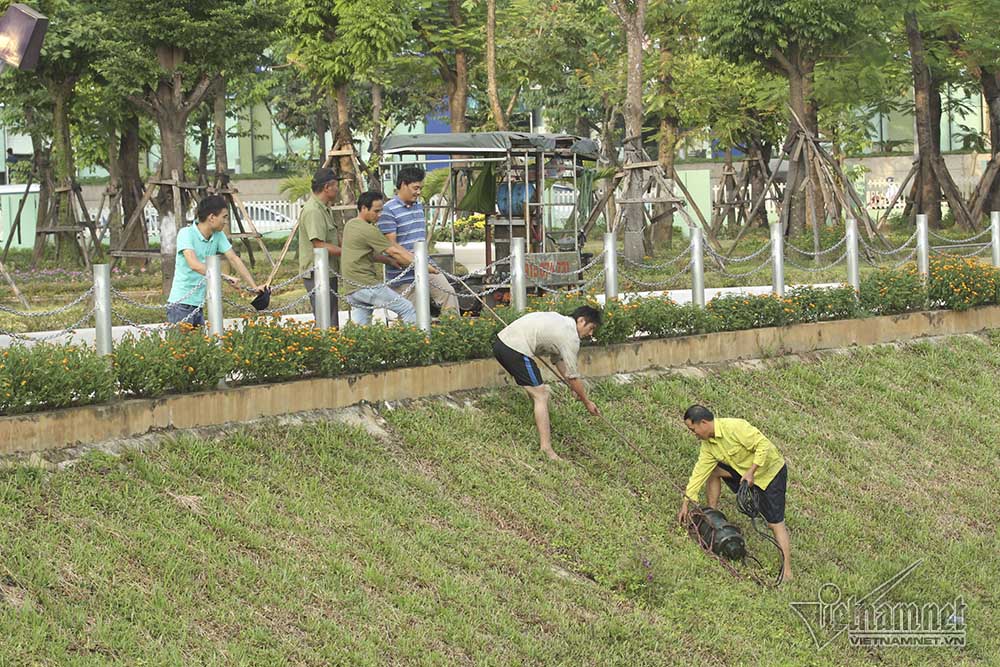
column 276, row 215
column 268, row 215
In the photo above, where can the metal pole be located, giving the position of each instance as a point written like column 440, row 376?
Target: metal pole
column 923, row 247
column 102, row 308
column 697, row 267
column 422, row 285
column 213, row 278
column 546, row 210
column 995, row 236
column 518, row 288
column 610, row 267
column 778, row 258
column 321, row 281
column 853, row 272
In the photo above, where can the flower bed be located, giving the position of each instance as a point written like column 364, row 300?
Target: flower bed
column 267, row 350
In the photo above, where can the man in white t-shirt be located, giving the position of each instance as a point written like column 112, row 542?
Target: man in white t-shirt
column 558, row 336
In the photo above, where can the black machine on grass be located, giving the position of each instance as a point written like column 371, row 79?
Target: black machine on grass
column 717, row 534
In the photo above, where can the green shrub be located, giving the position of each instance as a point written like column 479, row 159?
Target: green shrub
column 377, row 347
column 659, row 317
column 153, row 365
column 816, row 304
column 47, row 376
column 746, row 311
column 269, row 350
column 891, row 291
column 562, row 302
column 618, row 323
column 960, row 283
column 456, row 337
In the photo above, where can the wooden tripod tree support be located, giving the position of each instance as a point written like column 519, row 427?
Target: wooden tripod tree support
column 247, row 229
column 75, row 233
column 13, row 286
column 137, row 221
column 654, row 186
column 16, row 225
column 828, row 190
column 113, row 196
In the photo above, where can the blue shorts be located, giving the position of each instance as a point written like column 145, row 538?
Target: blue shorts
column 182, row 312
column 521, row 367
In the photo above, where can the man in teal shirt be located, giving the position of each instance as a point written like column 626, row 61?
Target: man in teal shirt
column 195, row 244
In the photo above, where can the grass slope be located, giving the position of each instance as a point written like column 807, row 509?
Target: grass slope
column 452, row 542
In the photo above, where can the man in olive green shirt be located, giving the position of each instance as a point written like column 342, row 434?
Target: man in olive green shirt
column 364, row 247
column 318, row 228
column 734, row 451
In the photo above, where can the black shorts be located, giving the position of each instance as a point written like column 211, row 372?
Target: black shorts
column 521, row 367
column 771, row 499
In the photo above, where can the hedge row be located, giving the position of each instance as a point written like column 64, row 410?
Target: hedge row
column 265, row 350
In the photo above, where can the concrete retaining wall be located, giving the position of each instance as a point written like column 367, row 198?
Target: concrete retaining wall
column 75, row 426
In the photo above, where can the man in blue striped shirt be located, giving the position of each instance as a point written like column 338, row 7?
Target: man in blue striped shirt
column 403, row 222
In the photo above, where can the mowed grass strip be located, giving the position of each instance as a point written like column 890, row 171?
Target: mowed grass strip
column 449, row 541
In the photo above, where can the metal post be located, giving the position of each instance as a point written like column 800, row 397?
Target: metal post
column 778, row 258
column 853, row 272
column 102, row 308
column 697, row 267
column 422, row 286
column 923, row 247
column 610, row 267
column 321, row 281
column 518, row 287
column 995, row 236
column 213, row 278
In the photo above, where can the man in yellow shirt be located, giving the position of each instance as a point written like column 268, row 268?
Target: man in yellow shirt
column 734, row 450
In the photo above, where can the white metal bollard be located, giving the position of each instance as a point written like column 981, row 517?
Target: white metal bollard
column 102, row 308
column 422, row 285
column 697, row 267
column 213, row 276
column 923, row 247
column 610, row 267
column 518, row 284
column 995, row 236
column 777, row 259
column 853, row 270
column 321, row 278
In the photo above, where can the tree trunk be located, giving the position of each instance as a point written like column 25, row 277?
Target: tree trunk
column 63, row 169
column 633, row 18
column 491, row 66
column 663, row 214
column 933, row 177
column 131, row 183
column 990, row 80
column 171, row 107
column 759, row 175
column 219, row 131
column 204, row 148
column 43, row 175
column 663, row 229
column 799, row 71
column 321, row 125
column 374, row 172
column 458, row 87
column 344, row 141
column 172, row 161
